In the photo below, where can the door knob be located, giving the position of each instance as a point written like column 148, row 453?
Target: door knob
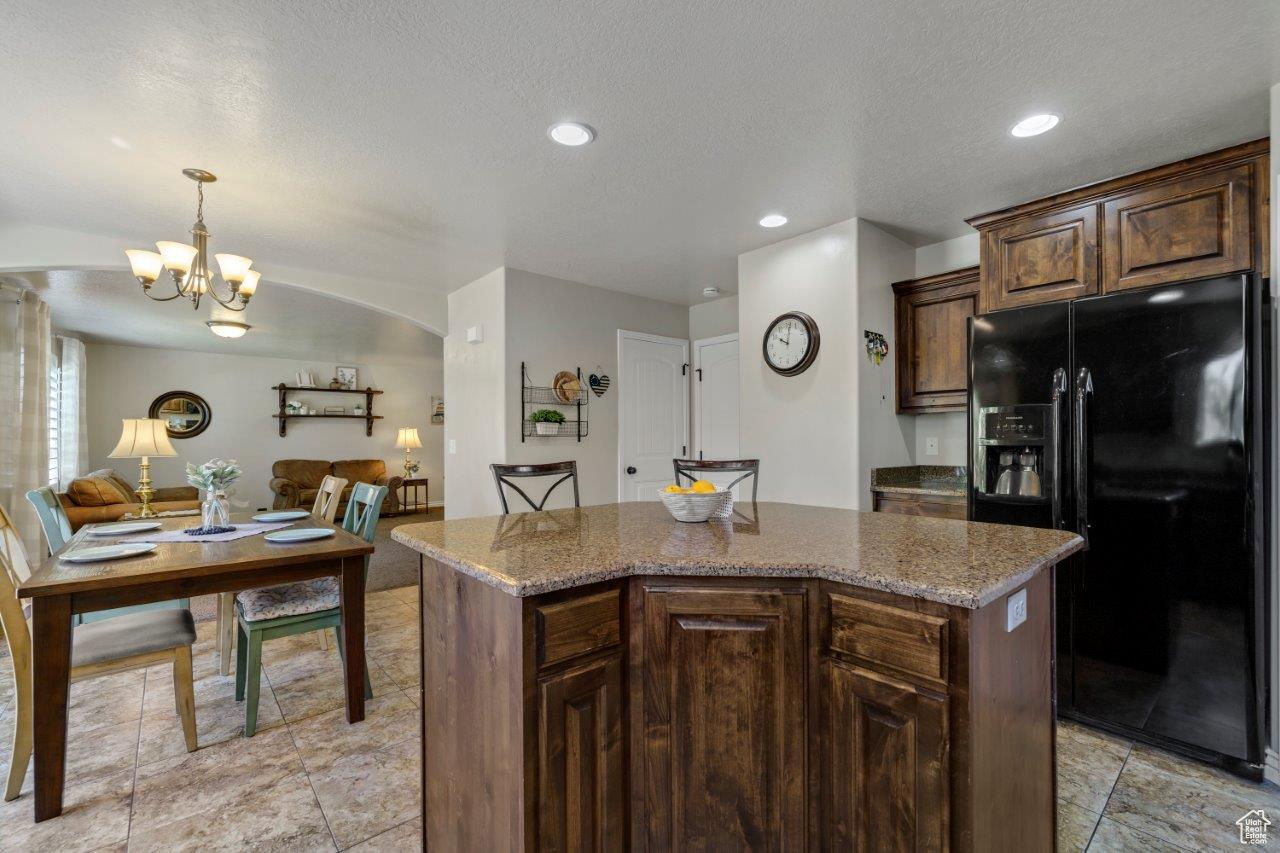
column 631, row 469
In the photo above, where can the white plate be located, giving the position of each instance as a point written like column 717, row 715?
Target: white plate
column 107, row 552
column 282, row 515
column 120, row 528
column 298, row 534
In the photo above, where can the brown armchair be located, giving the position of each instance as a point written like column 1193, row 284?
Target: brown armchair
column 295, row 482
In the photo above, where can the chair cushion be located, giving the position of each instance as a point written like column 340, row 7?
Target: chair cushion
column 131, row 634
column 307, row 473
column 290, row 599
column 359, row 470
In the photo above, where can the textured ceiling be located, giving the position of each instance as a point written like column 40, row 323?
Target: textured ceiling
column 405, row 141
column 109, row 307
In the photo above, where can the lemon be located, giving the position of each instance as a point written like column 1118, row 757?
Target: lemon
column 674, row 489
column 703, row 487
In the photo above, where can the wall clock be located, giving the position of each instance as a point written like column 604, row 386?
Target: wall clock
column 791, row 343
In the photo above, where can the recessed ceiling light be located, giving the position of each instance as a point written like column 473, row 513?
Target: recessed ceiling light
column 571, row 133
column 227, row 328
column 119, row 142
column 773, row 220
column 1035, row 125
column 710, row 292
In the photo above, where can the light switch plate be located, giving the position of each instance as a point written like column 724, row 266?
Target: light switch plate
column 1017, row 604
column 931, row 446
column 453, row 446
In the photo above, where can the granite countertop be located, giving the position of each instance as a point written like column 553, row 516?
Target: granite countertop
column 942, row 480
column 953, row 562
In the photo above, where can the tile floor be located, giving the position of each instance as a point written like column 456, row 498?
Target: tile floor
column 308, row 781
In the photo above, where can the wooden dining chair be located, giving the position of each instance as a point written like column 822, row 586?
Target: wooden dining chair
column 57, row 532
column 503, row 475
column 691, row 468
column 326, row 507
column 328, row 498
column 272, row 612
column 104, row 647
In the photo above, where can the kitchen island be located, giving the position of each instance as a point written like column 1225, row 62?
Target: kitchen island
column 794, row 678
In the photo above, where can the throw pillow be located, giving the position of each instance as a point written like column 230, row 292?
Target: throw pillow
column 99, row 488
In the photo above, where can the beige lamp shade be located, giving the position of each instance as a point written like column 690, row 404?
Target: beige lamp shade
column 143, row 437
column 407, row 438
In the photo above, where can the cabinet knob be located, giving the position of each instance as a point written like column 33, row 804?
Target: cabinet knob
column 631, row 469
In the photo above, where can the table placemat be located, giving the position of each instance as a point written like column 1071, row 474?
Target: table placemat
column 251, row 528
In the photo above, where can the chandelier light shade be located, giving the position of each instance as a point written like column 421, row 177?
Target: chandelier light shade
column 146, row 266
column 188, row 263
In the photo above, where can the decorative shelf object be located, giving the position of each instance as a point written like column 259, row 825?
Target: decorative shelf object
column 368, row 417
column 538, row 396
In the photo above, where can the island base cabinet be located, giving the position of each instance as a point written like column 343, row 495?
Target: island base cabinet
column 720, row 737
column 657, row 714
column 886, row 779
column 580, row 771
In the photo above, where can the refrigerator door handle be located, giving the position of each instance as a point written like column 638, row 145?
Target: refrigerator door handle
column 1084, row 387
column 1057, row 396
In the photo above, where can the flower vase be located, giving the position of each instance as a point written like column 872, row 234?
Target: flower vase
column 215, row 511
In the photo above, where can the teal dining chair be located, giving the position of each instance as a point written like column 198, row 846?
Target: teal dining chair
column 296, row 608
column 57, row 531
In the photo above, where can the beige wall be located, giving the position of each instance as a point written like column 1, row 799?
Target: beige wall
column 712, row 319
column 949, row 428
column 123, row 380
column 885, row 439
column 475, row 384
column 555, row 325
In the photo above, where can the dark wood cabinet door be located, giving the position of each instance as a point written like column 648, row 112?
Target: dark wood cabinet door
column 936, row 508
column 581, row 804
column 886, row 787
column 1044, row 258
column 723, row 728
column 1188, row 228
column 932, row 344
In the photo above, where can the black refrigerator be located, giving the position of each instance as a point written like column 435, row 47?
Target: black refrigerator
column 1139, row 420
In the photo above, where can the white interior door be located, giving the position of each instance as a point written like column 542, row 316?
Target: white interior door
column 653, row 412
column 715, row 402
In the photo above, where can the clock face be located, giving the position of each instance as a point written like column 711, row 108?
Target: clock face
column 791, row 343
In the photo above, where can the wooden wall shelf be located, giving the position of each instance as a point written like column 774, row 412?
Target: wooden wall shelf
column 368, row 417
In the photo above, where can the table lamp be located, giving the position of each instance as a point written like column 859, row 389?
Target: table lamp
column 142, row 438
column 407, row 438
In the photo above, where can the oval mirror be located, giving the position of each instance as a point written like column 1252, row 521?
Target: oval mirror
column 185, row 414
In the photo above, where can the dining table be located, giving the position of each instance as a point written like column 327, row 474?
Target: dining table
column 59, row 589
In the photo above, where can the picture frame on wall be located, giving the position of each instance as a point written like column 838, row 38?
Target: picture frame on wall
column 437, row 410
column 348, row 378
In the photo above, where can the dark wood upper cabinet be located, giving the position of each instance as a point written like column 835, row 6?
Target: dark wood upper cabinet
column 1199, row 217
column 1041, row 258
column 1197, row 226
column 723, row 734
column 581, row 784
column 931, row 316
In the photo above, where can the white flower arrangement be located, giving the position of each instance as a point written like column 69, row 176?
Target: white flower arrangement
column 216, row 475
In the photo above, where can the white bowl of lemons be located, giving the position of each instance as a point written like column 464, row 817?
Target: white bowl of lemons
column 699, row 502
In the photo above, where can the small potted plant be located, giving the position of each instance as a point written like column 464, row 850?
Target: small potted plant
column 546, row 421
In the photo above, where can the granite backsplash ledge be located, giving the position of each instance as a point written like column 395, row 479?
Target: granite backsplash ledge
column 921, row 479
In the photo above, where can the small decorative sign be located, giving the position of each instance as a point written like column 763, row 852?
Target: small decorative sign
column 599, row 381
column 877, row 346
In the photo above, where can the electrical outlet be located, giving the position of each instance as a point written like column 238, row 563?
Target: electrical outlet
column 1017, row 609
column 453, row 446
column 931, row 446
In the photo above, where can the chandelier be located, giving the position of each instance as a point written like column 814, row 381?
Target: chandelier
column 188, row 264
